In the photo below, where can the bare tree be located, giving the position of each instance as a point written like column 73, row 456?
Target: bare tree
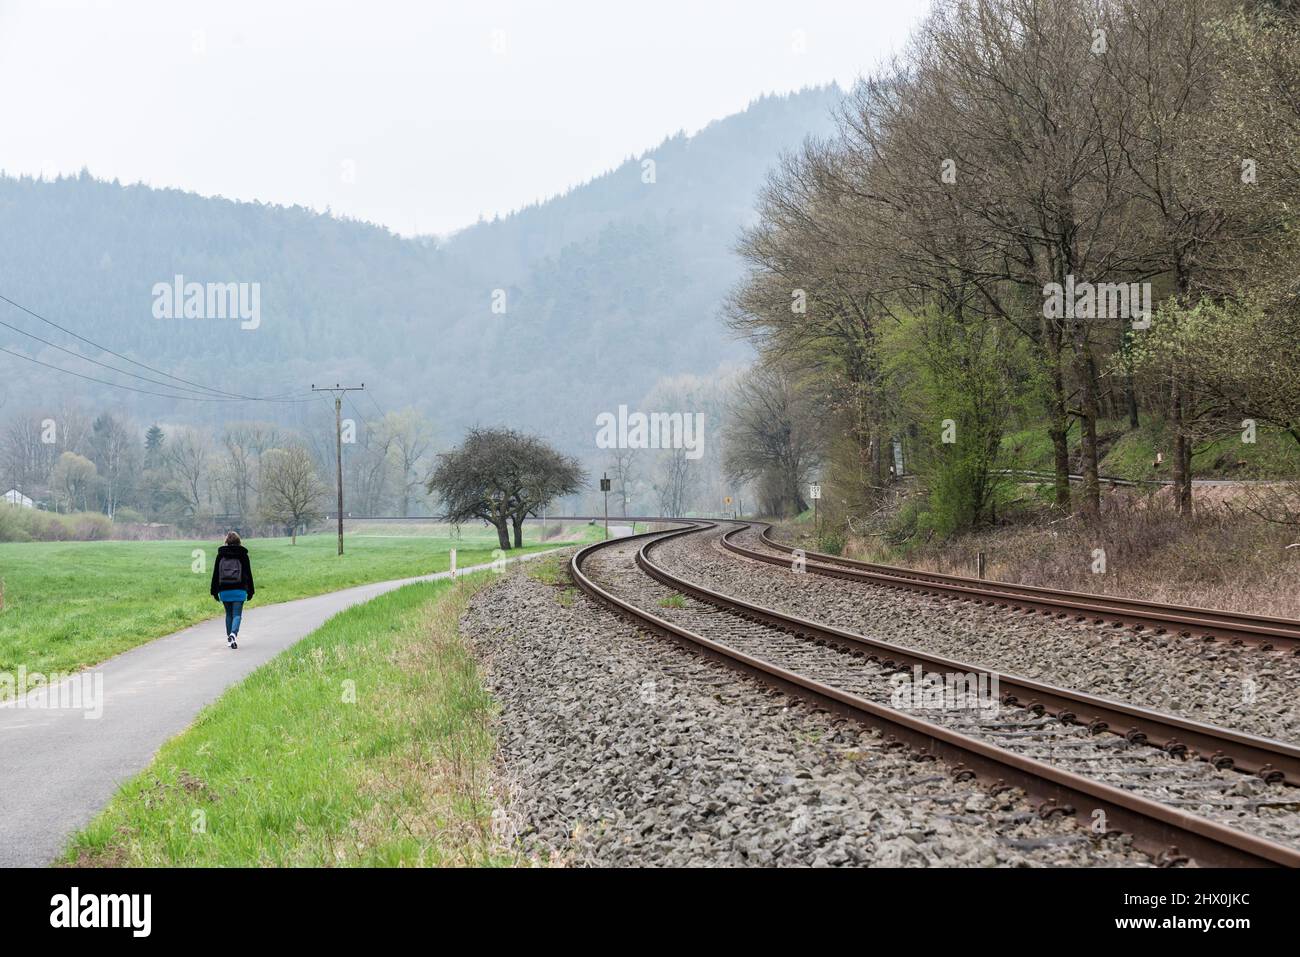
column 292, row 492
column 187, row 462
column 411, row 438
column 243, row 444
column 674, row 482
column 370, row 468
column 623, row 464
column 25, row 457
column 502, row 477
column 73, row 428
column 116, row 451
column 72, row 480
column 773, row 438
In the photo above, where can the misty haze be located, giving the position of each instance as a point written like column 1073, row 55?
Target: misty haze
column 682, row 436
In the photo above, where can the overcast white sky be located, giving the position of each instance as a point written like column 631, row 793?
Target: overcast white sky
column 420, row 116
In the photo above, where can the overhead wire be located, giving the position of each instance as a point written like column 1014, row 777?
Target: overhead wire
column 215, row 393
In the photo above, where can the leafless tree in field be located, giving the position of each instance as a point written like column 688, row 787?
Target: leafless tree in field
column 411, row 440
column 292, row 492
column 187, row 460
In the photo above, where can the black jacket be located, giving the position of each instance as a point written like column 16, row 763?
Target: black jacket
column 233, row 551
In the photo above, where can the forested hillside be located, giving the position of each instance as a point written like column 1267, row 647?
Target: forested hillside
column 605, row 289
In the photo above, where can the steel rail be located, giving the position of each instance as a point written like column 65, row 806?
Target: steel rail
column 1263, row 631
column 1272, row 760
column 1162, row 830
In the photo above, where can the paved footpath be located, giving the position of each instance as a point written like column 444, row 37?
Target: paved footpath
column 58, row 768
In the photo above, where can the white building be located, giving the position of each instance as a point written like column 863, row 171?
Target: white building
column 15, row 497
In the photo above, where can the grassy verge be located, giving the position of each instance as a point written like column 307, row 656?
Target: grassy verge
column 1131, row 454
column 1216, row 559
column 68, row 605
column 284, row 771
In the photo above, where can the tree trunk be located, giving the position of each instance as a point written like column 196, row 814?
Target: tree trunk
column 1130, row 397
column 1058, row 427
column 1090, row 506
column 519, row 531
column 1182, row 441
column 1185, row 493
column 1182, row 488
column 1059, row 432
column 503, row 533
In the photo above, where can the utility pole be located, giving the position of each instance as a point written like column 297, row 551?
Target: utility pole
column 338, row 392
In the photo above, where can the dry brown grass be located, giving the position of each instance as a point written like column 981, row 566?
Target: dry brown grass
column 1219, row 558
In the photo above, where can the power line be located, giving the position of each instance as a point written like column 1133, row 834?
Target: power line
column 358, row 413
column 282, row 397
column 105, row 365
column 118, row 385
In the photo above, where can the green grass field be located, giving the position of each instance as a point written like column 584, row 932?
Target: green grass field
column 367, row 743
column 68, row 605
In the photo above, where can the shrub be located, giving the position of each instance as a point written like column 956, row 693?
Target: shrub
column 831, row 540
column 92, row 527
column 27, row 525
column 128, row 516
column 50, row 528
column 12, row 527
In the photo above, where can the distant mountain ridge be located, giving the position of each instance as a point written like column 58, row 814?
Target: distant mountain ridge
column 606, row 289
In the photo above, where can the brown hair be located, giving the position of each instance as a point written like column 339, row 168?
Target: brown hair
column 232, row 538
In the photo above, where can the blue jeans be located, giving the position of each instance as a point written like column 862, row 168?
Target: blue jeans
column 234, row 602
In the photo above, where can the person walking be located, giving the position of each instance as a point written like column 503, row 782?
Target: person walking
column 232, row 584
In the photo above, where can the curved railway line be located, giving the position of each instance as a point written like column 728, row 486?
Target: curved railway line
column 1263, row 631
column 1123, row 766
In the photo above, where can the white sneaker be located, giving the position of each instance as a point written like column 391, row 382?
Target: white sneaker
column 233, row 643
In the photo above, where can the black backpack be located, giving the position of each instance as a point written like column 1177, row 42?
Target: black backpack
column 230, row 572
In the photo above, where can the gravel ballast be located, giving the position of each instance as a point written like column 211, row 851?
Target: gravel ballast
column 1227, row 796
column 1244, row 688
column 620, row 748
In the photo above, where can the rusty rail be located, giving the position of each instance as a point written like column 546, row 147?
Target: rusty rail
column 1165, row 831
column 1261, row 630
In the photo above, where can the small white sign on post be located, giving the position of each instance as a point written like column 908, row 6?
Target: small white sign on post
column 814, row 492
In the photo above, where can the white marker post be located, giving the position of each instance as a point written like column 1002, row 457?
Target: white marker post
column 814, row 493
column 453, row 562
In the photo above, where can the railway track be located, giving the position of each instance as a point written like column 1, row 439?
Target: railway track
column 1260, row 630
column 1036, row 740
